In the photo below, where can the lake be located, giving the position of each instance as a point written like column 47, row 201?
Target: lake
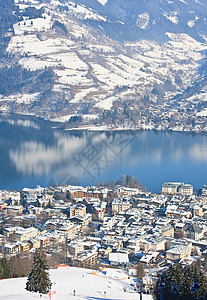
column 33, row 153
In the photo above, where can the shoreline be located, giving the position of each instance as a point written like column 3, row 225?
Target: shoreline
column 101, row 128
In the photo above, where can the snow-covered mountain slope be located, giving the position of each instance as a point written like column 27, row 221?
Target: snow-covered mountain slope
column 98, row 59
column 86, row 283
column 152, row 19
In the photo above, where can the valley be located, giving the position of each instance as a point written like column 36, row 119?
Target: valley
column 99, row 78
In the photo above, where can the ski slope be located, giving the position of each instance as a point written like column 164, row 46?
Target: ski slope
column 91, row 285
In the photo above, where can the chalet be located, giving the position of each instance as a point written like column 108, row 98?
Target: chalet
column 12, row 248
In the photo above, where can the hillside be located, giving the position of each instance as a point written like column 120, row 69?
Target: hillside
column 90, row 56
column 86, row 285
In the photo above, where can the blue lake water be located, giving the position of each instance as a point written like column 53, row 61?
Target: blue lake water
column 33, row 153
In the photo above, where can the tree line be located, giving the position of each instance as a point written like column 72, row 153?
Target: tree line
column 182, row 283
column 15, row 266
column 15, row 79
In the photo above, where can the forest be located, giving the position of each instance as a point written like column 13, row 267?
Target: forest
column 182, row 283
column 13, row 77
column 16, row 79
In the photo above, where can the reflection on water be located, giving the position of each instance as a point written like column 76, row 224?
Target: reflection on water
column 32, row 153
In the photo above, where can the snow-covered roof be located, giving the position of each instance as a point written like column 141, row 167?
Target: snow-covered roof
column 118, row 257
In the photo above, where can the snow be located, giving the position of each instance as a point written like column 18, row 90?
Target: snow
column 66, row 118
column 83, row 13
column 91, row 128
column 81, row 95
column 172, row 17
column 22, row 98
column 87, row 284
column 106, row 104
column 118, row 257
column 183, row 2
column 101, row 48
column 191, row 23
column 26, row 1
column 202, row 113
column 95, row 68
column 33, row 63
column 143, row 21
column 184, row 41
column 202, row 97
column 32, row 25
column 103, row 2
column 27, row 98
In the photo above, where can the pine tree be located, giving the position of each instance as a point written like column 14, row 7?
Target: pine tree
column 186, row 286
column 4, row 268
column 178, row 283
column 38, row 279
column 202, row 292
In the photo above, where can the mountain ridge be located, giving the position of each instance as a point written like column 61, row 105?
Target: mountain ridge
column 92, row 69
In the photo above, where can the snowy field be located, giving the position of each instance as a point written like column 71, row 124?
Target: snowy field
column 108, row 284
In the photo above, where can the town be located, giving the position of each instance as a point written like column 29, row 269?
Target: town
column 107, row 226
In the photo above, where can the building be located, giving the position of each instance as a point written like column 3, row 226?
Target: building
column 178, row 252
column 119, row 205
column 86, row 259
column 2, row 240
column 25, row 246
column 204, row 190
column 25, row 234
column 97, row 194
column 185, row 189
column 75, row 247
column 134, row 245
column 3, row 205
column 126, row 191
column 44, row 241
column 118, row 258
column 100, row 209
column 68, row 230
column 194, row 231
column 12, row 248
column 81, row 192
column 179, row 230
column 77, row 210
column 150, row 258
column 14, row 210
column 14, row 197
column 171, row 188
column 167, row 230
column 82, row 220
column 34, row 243
column 104, row 250
column 157, row 244
column 78, row 194
column 197, row 211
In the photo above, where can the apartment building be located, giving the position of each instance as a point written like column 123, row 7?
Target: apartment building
column 171, row 188
column 25, row 234
column 77, row 210
column 119, row 205
column 86, row 259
